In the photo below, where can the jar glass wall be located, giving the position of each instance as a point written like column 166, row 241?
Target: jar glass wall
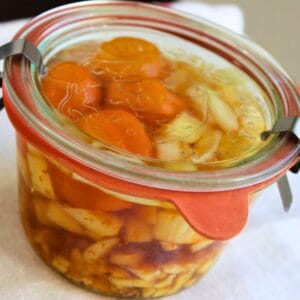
column 111, row 243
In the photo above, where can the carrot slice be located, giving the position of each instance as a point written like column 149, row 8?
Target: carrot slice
column 149, row 99
column 82, row 195
column 127, row 57
column 118, row 128
column 71, row 89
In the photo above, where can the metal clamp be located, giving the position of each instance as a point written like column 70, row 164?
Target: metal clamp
column 21, row 47
column 290, row 125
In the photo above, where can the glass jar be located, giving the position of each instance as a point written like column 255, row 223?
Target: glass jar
column 105, row 220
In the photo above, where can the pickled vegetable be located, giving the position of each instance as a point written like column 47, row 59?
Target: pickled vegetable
column 71, row 89
column 149, row 99
column 118, row 128
column 128, row 57
column 41, row 181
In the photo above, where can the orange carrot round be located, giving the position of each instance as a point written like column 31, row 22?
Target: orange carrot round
column 127, row 57
column 71, row 89
column 118, row 128
column 82, row 195
column 149, row 99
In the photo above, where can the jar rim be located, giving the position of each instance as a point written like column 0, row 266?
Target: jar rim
column 278, row 157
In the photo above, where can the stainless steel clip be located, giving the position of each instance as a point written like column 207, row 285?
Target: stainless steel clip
column 292, row 126
column 24, row 47
column 289, row 124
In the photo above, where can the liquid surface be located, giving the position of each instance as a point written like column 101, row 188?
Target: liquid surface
column 128, row 93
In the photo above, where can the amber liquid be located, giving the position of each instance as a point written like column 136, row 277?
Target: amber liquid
column 214, row 134
column 131, row 250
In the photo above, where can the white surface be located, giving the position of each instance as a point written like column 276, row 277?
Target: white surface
column 262, row 263
column 227, row 15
